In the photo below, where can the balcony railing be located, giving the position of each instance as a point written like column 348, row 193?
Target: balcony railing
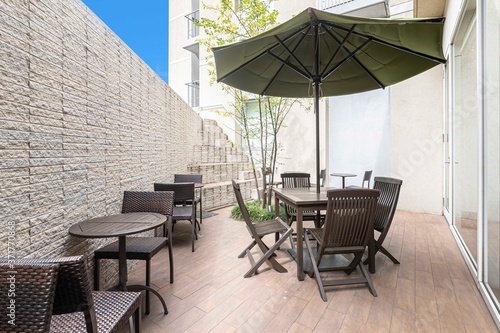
column 326, row 4
column 193, row 29
column 193, row 93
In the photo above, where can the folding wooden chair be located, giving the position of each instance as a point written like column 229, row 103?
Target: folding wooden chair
column 347, row 230
column 258, row 231
column 384, row 213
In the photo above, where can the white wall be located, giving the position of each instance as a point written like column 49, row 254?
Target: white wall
column 359, row 136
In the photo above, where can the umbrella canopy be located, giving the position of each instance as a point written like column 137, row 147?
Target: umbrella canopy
column 317, row 53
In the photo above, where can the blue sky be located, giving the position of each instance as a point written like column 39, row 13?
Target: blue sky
column 142, row 25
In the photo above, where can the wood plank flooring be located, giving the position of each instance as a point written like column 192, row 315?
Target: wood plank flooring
column 431, row 291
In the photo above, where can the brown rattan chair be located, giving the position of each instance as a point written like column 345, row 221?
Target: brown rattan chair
column 142, row 248
column 299, row 180
column 192, row 178
column 384, row 213
column 258, row 231
column 185, row 204
column 32, row 287
column 79, row 309
column 347, row 230
column 366, row 179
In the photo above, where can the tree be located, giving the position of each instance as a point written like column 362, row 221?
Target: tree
column 259, row 125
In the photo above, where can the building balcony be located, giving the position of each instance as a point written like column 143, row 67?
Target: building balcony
column 361, row 8
column 193, row 32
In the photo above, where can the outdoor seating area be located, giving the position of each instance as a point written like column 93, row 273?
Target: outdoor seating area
column 430, row 291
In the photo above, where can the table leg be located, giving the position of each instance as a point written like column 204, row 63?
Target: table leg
column 343, row 182
column 300, row 246
column 122, row 263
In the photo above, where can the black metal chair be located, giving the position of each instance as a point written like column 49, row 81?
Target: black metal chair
column 384, row 213
column 142, row 248
column 185, row 204
column 347, row 230
column 33, row 288
column 258, row 231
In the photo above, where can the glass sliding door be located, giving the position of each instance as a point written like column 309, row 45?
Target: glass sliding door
column 492, row 150
column 465, row 132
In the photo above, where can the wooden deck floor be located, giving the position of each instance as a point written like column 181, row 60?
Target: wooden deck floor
column 431, row 291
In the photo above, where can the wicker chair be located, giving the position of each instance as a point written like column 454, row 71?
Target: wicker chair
column 384, row 213
column 35, row 287
column 258, row 231
column 185, row 204
column 78, row 309
column 347, row 230
column 366, row 179
column 192, row 178
column 142, row 248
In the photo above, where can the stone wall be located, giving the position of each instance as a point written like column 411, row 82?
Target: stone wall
column 82, row 118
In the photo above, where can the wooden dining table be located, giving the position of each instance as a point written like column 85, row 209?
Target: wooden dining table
column 307, row 199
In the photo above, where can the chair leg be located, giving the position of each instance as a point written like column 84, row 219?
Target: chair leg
column 193, row 235
column 314, row 269
column 368, row 280
column 267, row 256
column 148, row 284
column 97, row 272
column 390, row 256
column 249, row 247
column 171, row 259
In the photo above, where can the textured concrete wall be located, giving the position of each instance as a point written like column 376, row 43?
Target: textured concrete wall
column 82, row 118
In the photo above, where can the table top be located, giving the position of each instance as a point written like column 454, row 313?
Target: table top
column 117, row 225
column 303, row 196
column 341, row 174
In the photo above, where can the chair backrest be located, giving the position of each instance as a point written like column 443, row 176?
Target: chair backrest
column 295, row 180
column 183, row 192
column 322, row 176
column 153, row 202
column 188, row 178
column 32, row 287
column 73, row 292
column 386, row 206
column 243, row 208
column 366, row 178
column 349, row 218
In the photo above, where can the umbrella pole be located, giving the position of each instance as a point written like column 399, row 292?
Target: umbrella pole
column 316, row 110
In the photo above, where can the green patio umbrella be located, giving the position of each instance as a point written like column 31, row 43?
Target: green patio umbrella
column 317, row 53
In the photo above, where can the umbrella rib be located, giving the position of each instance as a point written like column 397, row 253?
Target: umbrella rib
column 338, row 48
column 402, row 48
column 353, row 55
column 295, row 68
column 283, row 64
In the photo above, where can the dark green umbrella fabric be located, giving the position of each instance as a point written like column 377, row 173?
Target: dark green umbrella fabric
column 317, row 53
column 354, row 55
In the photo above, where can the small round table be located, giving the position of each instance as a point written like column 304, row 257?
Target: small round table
column 120, row 225
column 343, row 175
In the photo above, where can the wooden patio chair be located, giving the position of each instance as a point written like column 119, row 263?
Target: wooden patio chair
column 34, row 291
column 185, row 204
column 142, row 248
column 347, row 230
column 299, row 180
column 366, row 179
column 384, row 213
column 258, row 231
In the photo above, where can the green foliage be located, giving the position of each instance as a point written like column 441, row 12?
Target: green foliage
column 256, row 212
